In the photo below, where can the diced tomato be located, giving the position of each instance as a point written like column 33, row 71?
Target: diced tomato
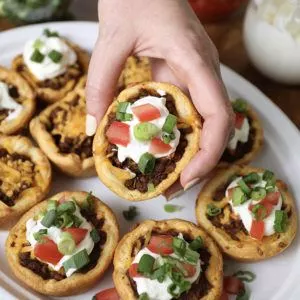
column 157, row 146
column 189, row 269
column 109, row 294
column 161, row 244
column 146, row 112
column 118, row 133
column 224, row 296
column 233, row 285
column 239, row 120
column 47, row 251
column 133, row 271
column 257, row 229
column 273, row 197
column 78, row 234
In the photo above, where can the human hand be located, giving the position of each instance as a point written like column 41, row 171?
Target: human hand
column 169, row 32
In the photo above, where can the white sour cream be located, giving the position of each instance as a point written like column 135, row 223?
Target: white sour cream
column 135, row 149
column 48, row 69
column 54, row 234
column 245, row 214
column 159, row 290
column 240, row 135
column 7, row 102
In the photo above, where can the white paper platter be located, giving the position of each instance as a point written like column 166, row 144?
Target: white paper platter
column 277, row 278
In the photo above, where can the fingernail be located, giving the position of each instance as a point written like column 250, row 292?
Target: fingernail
column 191, row 184
column 90, row 125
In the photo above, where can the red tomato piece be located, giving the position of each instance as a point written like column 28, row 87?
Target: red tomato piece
column 257, row 229
column 239, row 120
column 161, row 244
column 233, row 285
column 109, row 294
column 157, row 146
column 146, row 112
column 47, row 251
column 273, row 197
column 118, row 133
column 189, row 269
column 224, row 296
column 78, row 234
column 133, row 271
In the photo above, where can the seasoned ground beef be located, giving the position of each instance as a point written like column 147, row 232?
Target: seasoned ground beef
column 163, row 166
column 44, row 271
column 242, row 149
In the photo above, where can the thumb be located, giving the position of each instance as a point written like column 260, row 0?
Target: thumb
column 106, row 65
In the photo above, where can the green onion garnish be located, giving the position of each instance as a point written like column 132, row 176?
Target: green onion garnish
column 184, row 286
column 51, row 204
column 242, row 184
column 145, row 131
column 122, row 107
column 95, row 235
column 172, row 288
column 243, row 295
column 151, row 187
column 191, row 256
column 281, row 221
column 212, row 210
column 144, row 296
column 77, row 221
column 240, row 105
column 39, row 234
column 169, row 124
column 55, row 56
column 171, row 208
column 124, row 116
column 38, row 44
column 49, row 33
column 88, row 203
column 246, row 276
column 68, row 206
column 166, row 138
column 37, row 56
column 258, row 193
column 146, row 163
column 259, row 212
column 77, row 261
column 49, row 218
column 238, row 196
column 179, row 246
column 251, row 178
column 67, row 220
column 146, row 264
column 196, row 244
column 268, row 175
column 131, row 213
column 66, row 244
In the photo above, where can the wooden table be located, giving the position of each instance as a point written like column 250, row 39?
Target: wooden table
column 227, row 36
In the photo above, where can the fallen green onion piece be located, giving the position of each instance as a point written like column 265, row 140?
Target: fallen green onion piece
column 169, row 124
column 37, row 44
column 246, row 276
column 281, row 221
column 151, row 187
column 238, row 196
column 251, row 178
column 145, row 131
column 122, row 107
column 196, row 244
column 55, row 56
column 39, row 234
column 212, row 210
column 49, row 218
column 49, row 33
column 66, row 244
column 179, row 246
column 95, row 235
column 77, row 261
column 258, row 193
column 146, row 163
column 146, row 263
column 68, row 206
column 144, row 296
column 171, row 208
column 240, row 105
column 37, row 56
column 242, row 184
column 51, row 204
column 131, row 213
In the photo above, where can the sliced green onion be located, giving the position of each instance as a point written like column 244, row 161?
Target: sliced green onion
column 67, row 220
column 146, row 163
column 95, row 235
column 238, row 196
column 191, row 256
column 179, row 246
column 268, row 175
column 159, row 273
column 151, row 187
column 122, row 107
column 258, row 193
column 213, row 210
column 77, row 221
column 172, row 288
column 146, row 263
column 38, row 44
column 39, row 234
column 144, row 296
column 184, row 286
column 145, row 131
column 77, row 261
column 166, row 138
column 68, row 206
column 88, row 203
column 66, row 244
column 49, row 218
column 51, row 204
column 242, row 184
column 281, row 221
column 251, row 178
column 196, row 244
column 240, row 105
column 124, row 116
column 131, row 213
column 171, row 208
column 37, row 56
column 169, row 124
column 49, row 33
column 55, row 56
column 246, row 276
column 270, row 189
column 259, row 212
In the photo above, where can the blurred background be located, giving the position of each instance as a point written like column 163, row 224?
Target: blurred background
column 242, row 35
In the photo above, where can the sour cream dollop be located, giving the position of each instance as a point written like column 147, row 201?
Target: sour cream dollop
column 240, row 135
column 7, row 102
column 48, row 69
column 135, row 149
column 245, row 214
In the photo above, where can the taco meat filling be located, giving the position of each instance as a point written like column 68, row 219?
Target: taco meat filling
column 66, row 124
column 199, row 288
column 163, row 165
column 16, row 175
column 43, row 270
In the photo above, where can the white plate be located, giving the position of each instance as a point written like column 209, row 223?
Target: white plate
column 277, row 278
